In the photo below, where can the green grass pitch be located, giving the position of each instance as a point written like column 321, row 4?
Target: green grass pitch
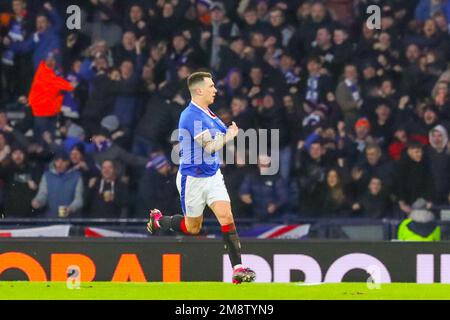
column 220, row 291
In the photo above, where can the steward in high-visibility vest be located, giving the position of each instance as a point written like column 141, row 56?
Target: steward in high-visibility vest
column 420, row 226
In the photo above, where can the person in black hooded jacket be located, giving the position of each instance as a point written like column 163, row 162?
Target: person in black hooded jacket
column 413, row 179
column 438, row 156
column 21, row 183
column 105, row 88
column 375, row 202
column 418, row 129
column 311, row 165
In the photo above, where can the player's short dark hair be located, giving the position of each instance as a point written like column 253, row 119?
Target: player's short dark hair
column 197, row 77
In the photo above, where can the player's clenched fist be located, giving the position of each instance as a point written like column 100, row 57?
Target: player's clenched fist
column 233, row 129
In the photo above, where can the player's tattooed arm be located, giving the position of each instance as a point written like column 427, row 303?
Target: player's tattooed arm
column 211, row 145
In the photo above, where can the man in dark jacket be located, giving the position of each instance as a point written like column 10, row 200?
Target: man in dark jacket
column 311, row 166
column 126, row 50
column 126, row 104
column 373, row 165
column 413, row 179
column 242, row 114
column 103, row 90
column 231, row 56
column 271, row 116
column 157, row 187
column 106, row 149
column 107, row 196
column 317, row 85
column 267, row 194
column 20, row 184
column 375, row 202
column 305, row 33
column 154, row 127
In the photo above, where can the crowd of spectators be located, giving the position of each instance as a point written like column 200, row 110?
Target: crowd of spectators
column 363, row 114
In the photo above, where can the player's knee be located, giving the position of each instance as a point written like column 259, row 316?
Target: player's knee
column 193, row 229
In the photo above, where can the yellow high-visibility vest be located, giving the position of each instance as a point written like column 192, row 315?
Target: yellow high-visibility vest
column 404, row 233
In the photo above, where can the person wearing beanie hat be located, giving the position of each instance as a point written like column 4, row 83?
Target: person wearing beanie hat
column 76, row 135
column 217, row 6
column 362, row 137
column 75, row 131
column 203, row 11
column 362, row 122
column 205, row 3
column 108, row 149
column 158, row 162
column 157, row 186
column 119, row 135
column 111, row 123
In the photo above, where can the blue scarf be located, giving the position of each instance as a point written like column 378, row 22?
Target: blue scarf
column 16, row 33
column 290, row 77
column 354, row 89
column 312, row 93
column 70, row 106
column 103, row 146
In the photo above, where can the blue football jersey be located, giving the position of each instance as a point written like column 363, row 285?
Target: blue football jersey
column 194, row 160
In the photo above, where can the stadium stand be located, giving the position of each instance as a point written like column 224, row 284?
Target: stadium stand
column 363, row 113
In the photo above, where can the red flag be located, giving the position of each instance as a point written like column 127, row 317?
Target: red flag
column 46, row 94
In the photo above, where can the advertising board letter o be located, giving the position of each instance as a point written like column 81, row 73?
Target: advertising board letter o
column 23, row 262
column 363, row 261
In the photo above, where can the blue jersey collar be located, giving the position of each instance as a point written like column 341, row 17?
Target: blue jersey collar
column 209, row 113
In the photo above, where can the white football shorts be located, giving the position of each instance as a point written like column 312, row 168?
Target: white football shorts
column 196, row 193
